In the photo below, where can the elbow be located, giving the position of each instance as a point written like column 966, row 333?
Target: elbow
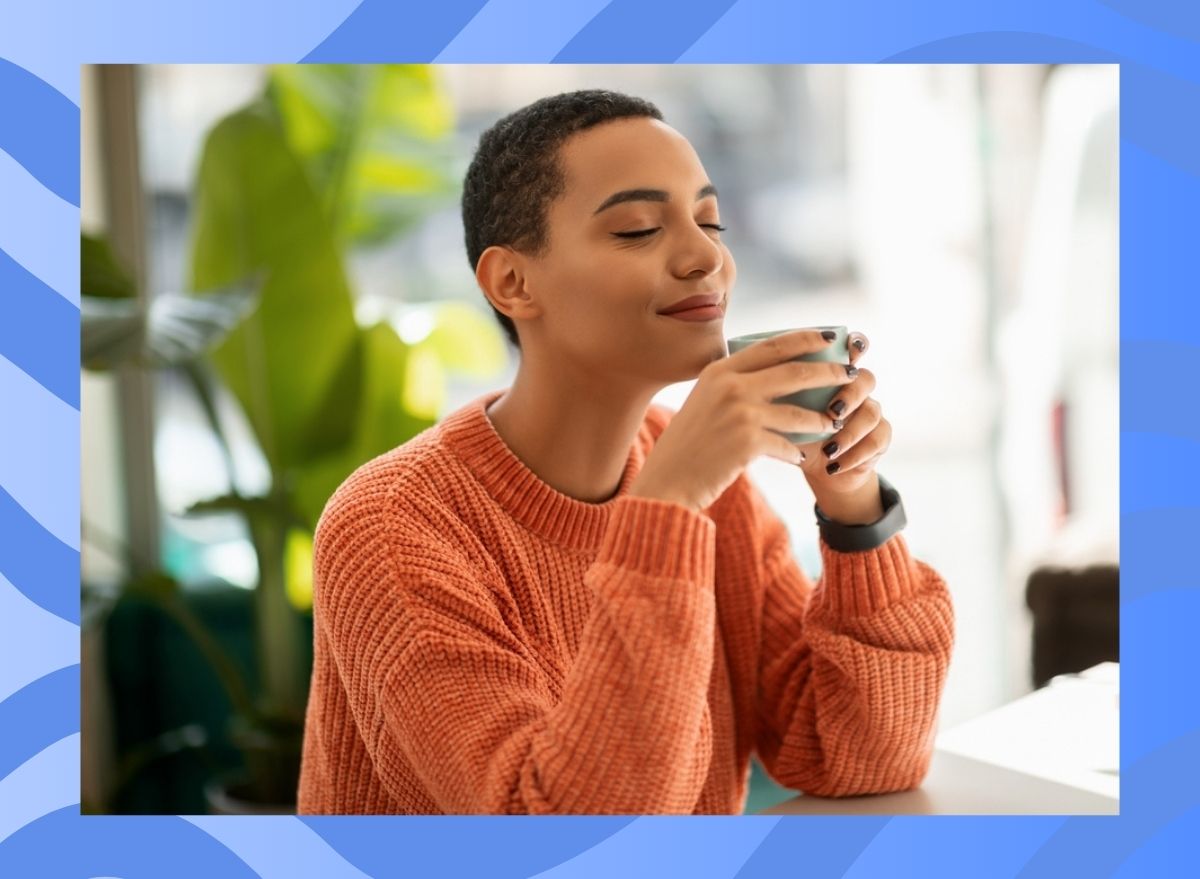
column 870, row 774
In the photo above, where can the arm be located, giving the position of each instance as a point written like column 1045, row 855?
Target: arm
column 456, row 694
column 850, row 670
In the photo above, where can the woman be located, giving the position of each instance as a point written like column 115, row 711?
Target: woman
column 566, row 599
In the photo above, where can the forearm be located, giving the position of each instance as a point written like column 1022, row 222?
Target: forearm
column 852, row 677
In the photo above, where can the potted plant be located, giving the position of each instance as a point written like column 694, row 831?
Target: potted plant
column 328, row 158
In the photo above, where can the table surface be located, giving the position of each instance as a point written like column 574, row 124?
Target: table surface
column 958, row 785
column 1054, row 751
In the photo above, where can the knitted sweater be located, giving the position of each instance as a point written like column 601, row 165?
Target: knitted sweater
column 486, row 644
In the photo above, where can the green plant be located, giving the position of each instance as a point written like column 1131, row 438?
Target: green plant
column 329, row 157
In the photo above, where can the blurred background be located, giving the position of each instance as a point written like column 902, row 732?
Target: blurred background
column 276, row 290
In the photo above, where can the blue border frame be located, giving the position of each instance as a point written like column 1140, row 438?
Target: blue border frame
column 1156, row 42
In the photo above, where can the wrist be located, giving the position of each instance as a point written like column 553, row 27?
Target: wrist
column 861, row 537
column 649, row 491
column 862, row 506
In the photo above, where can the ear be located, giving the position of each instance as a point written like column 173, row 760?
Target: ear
column 501, row 275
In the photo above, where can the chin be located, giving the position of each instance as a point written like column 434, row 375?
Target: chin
column 716, row 351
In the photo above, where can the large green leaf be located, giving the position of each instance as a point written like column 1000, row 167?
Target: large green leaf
column 381, row 422
column 374, row 140
column 290, row 363
column 466, row 341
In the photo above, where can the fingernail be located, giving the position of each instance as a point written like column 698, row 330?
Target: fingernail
column 860, row 344
column 833, row 468
column 828, row 335
column 851, row 371
column 829, row 448
column 838, row 424
column 838, row 406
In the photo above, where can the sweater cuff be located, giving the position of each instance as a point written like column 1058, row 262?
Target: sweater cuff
column 862, row 583
column 660, row 539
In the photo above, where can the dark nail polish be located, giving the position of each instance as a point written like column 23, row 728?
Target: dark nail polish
column 828, row 335
column 833, row 468
column 838, row 406
column 860, row 345
column 838, row 424
column 829, row 448
column 851, row 371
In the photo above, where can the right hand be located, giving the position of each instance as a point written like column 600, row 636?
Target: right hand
column 728, row 419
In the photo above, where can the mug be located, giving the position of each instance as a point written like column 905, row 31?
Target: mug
column 817, row 399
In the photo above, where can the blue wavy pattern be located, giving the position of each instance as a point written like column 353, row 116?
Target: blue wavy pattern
column 33, row 310
column 830, row 845
column 1155, row 42
column 430, row 843
column 149, row 847
column 632, row 30
column 379, row 30
column 44, row 570
column 547, row 25
column 1168, row 16
column 45, row 711
column 46, row 143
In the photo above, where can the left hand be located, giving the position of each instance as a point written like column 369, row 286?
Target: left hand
column 860, row 443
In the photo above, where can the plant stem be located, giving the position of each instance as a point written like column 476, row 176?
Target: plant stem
column 197, row 374
column 222, row 664
column 281, row 668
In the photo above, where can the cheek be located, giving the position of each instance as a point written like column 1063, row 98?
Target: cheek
column 729, row 270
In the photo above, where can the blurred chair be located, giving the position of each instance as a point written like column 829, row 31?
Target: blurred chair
column 1075, row 618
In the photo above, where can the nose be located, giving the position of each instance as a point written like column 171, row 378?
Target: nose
column 697, row 251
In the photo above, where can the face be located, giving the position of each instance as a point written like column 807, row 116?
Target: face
column 614, row 261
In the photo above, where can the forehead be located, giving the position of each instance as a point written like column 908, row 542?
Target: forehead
column 627, row 153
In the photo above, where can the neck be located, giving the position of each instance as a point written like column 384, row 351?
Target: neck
column 573, row 431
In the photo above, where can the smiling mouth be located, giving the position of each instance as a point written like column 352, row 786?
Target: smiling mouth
column 699, row 313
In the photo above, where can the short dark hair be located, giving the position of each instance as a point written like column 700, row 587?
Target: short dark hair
column 515, row 173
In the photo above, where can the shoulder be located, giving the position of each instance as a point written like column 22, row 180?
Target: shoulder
column 390, row 511
column 369, row 496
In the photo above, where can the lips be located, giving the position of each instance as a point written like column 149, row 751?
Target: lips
column 698, row 301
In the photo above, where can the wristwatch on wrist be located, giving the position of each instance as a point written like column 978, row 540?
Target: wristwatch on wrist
column 859, row 538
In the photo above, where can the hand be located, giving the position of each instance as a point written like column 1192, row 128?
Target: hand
column 860, row 443
column 728, row 419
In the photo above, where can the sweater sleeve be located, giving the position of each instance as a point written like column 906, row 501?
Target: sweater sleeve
column 450, row 690
column 851, row 669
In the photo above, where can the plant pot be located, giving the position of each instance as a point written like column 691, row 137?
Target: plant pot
column 229, row 795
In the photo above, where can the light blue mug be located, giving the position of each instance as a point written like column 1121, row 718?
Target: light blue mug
column 817, row 399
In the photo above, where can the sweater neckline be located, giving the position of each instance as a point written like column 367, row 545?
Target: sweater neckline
column 560, row 518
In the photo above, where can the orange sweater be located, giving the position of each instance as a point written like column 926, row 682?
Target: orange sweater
column 486, row 644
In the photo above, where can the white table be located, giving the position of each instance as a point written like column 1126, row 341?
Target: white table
column 1054, row 751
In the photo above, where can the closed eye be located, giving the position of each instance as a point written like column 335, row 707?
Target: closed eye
column 641, row 233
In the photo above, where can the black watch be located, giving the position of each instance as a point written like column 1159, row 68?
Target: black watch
column 859, row 538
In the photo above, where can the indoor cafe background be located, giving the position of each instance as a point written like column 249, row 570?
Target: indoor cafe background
column 963, row 217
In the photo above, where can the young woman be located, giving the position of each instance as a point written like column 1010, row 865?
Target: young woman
column 566, row 599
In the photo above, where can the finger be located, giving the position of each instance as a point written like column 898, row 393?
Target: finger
column 792, row 376
column 784, row 346
column 872, row 446
column 857, row 427
column 865, row 467
column 789, row 418
column 847, row 401
column 779, row 446
column 858, row 344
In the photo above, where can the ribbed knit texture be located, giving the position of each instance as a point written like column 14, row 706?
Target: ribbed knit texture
column 487, row 644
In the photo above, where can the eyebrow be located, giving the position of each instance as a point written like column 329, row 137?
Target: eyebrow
column 649, row 195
